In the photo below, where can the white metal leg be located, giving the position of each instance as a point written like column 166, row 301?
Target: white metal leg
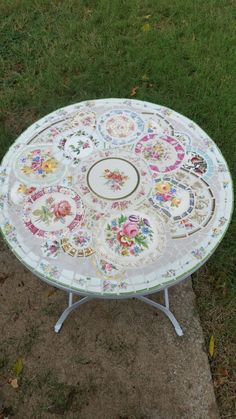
column 166, row 295
column 70, row 298
column 72, row 306
column 165, row 310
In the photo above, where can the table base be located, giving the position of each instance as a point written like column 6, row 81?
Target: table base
column 164, row 308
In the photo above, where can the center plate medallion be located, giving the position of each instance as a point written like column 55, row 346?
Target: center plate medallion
column 113, row 178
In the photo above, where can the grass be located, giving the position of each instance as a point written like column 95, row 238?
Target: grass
column 179, row 53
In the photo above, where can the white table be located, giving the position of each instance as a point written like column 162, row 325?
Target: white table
column 114, row 198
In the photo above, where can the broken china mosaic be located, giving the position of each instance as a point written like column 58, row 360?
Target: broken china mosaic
column 38, row 166
column 52, row 211
column 114, row 196
column 131, row 239
column 114, row 180
column 75, row 144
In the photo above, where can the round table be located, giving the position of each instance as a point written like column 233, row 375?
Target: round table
column 114, row 198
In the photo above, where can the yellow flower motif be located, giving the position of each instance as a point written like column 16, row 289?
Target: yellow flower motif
column 162, row 187
column 125, row 252
column 158, row 148
column 175, row 202
column 69, row 179
column 22, row 188
column 27, row 170
column 49, row 165
column 125, row 239
column 109, row 235
column 8, row 228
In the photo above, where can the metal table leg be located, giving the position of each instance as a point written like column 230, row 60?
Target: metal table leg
column 165, row 309
column 71, row 306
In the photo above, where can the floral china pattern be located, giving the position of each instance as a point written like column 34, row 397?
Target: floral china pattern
column 175, row 199
column 51, row 249
column 19, row 191
column 85, row 118
column 38, row 166
column 79, row 244
column 164, row 153
column 75, row 149
column 217, row 231
column 199, row 253
column 107, row 269
column 10, row 231
column 138, row 193
column 38, row 162
column 48, row 270
column 75, row 144
column 198, row 206
column 129, row 235
column 25, row 190
column 165, row 191
column 52, row 210
column 157, row 124
column 115, row 179
column 81, row 239
column 199, row 163
column 132, row 239
column 120, row 126
column 81, row 145
column 110, row 286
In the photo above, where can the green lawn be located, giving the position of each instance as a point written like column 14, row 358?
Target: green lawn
column 179, row 53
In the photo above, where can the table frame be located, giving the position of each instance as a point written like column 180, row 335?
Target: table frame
column 164, row 308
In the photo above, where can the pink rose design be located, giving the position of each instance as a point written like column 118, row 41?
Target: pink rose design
column 167, row 197
column 36, row 165
column 130, row 229
column 53, row 248
column 62, row 142
column 62, row 209
column 108, row 267
column 138, row 148
column 34, row 152
column 31, row 190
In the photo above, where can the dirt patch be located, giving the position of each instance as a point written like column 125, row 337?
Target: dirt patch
column 112, row 359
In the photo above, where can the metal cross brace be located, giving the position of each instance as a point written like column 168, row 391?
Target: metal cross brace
column 164, row 308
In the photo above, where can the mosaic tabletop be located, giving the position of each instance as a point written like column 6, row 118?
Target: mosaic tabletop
column 114, row 197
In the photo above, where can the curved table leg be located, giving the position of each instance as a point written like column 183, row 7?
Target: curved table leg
column 72, row 306
column 165, row 310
